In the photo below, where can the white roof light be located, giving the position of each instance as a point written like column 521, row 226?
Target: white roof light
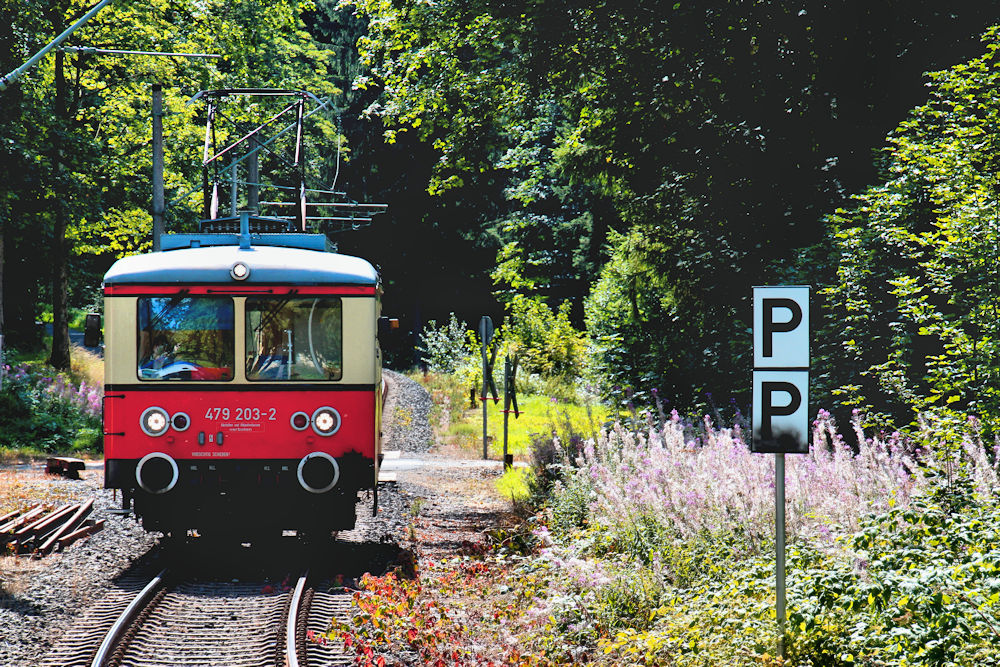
column 240, row 271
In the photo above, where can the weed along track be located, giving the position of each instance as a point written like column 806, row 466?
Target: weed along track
column 186, row 620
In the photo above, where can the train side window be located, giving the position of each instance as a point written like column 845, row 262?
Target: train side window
column 289, row 339
column 186, row 338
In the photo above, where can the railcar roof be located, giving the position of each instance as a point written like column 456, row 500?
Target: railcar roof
column 268, row 265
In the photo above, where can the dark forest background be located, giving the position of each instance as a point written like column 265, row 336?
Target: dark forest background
column 629, row 170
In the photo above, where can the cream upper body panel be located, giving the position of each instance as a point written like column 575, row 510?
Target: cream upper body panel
column 359, row 352
column 217, row 270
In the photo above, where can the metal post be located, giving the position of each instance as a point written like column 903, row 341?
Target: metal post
column 234, row 193
column 779, row 547
column 486, row 362
column 158, row 194
column 253, row 178
column 506, row 404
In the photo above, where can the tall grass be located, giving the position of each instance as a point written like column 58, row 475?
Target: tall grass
column 710, row 482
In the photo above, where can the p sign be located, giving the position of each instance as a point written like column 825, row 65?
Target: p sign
column 781, row 412
column 781, row 370
column 781, row 327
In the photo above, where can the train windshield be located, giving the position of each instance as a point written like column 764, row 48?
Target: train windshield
column 186, row 338
column 294, row 339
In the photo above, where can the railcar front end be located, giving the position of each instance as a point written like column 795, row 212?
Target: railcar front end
column 243, row 384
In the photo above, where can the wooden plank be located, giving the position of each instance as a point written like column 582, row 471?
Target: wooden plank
column 68, row 527
column 7, row 530
column 89, row 529
column 45, row 522
column 8, row 516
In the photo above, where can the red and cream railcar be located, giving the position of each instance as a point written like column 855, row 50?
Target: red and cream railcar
column 243, row 383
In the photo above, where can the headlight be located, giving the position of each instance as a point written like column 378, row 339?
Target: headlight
column 326, row 421
column 240, row 271
column 154, row 421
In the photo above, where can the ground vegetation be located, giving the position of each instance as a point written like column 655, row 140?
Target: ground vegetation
column 652, row 545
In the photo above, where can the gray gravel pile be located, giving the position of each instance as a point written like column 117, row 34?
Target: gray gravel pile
column 49, row 593
column 407, row 415
column 405, row 427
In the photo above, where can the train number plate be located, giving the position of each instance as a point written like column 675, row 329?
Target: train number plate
column 242, row 414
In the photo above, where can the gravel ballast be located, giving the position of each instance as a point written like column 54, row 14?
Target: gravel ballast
column 41, row 598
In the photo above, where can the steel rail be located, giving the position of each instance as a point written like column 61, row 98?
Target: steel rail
column 127, row 616
column 292, row 624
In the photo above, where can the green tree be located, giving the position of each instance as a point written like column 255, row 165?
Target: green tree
column 79, row 122
column 917, row 291
column 717, row 133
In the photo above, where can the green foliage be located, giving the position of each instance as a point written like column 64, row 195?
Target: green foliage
column 546, row 342
column 713, row 136
column 915, row 297
column 75, row 155
column 515, row 484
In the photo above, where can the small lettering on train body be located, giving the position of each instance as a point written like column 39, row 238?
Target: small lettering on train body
column 241, row 426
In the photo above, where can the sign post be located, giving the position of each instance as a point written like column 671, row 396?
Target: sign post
column 486, row 336
column 780, row 414
column 509, row 399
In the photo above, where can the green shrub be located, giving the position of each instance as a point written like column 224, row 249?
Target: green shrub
column 570, row 504
column 88, row 440
column 446, row 348
column 545, row 340
column 626, row 601
column 515, row 483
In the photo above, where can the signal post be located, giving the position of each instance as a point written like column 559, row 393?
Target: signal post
column 780, row 413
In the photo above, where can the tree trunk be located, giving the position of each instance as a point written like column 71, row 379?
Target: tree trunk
column 59, row 358
column 3, row 229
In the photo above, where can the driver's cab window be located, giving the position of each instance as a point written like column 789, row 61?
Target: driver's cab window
column 290, row 339
column 186, row 338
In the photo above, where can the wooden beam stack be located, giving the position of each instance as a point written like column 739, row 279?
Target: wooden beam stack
column 42, row 529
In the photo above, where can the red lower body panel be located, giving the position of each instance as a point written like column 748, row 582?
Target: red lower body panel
column 236, row 460
column 252, row 424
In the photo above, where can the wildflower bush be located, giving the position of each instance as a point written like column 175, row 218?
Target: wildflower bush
column 698, row 480
column 44, row 411
column 892, row 555
column 447, row 348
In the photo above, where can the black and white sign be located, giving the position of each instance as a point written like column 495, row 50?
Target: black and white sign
column 781, row 412
column 781, row 369
column 781, row 327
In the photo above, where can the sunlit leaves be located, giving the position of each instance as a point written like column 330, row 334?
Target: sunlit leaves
column 920, row 252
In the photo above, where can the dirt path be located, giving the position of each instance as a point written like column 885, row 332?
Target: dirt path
column 456, row 501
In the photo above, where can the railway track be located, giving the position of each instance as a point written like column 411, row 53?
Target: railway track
column 173, row 620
